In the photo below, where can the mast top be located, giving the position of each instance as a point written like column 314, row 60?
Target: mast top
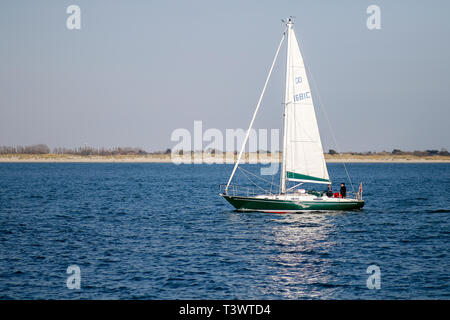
column 289, row 21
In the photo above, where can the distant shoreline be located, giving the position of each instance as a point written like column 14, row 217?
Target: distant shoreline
column 208, row 158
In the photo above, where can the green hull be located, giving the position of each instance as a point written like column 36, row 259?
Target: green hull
column 285, row 206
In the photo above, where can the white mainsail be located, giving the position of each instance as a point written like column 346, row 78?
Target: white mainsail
column 303, row 158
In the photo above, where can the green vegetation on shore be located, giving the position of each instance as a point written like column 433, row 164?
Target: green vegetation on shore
column 42, row 153
column 42, row 149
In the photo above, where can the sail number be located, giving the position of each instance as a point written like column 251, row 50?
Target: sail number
column 301, row 96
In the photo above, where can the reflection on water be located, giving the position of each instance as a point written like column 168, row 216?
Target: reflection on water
column 301, row 267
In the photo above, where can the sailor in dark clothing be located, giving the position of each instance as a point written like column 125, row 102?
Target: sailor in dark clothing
column 329, row 192
column 343, row 190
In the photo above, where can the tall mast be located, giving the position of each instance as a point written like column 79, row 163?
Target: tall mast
column 289, row 24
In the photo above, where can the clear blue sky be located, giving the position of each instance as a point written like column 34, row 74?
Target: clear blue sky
column 137, row 70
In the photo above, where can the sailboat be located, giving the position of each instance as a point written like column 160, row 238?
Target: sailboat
column 303, row 159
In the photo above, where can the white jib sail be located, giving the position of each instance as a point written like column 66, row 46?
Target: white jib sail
column 304, row 159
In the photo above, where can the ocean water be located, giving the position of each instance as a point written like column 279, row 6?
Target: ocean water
column 160, row 231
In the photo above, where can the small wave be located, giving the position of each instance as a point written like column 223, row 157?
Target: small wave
column 439, row 211
column 330, row 285
column 36, row 196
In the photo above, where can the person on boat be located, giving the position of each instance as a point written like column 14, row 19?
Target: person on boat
column 343, row 190
column 329, row 192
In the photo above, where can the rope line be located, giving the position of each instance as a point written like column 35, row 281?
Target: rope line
column 251, row 180
column 258, row 177
column 329, row 124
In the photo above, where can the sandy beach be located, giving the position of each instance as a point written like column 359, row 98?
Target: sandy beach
column 219, row 158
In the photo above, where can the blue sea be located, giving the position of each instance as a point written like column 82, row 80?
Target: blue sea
column 161, row 231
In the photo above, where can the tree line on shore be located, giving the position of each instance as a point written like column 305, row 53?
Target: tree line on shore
column 81, row 151
column 87, row 151
column 398, row 152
